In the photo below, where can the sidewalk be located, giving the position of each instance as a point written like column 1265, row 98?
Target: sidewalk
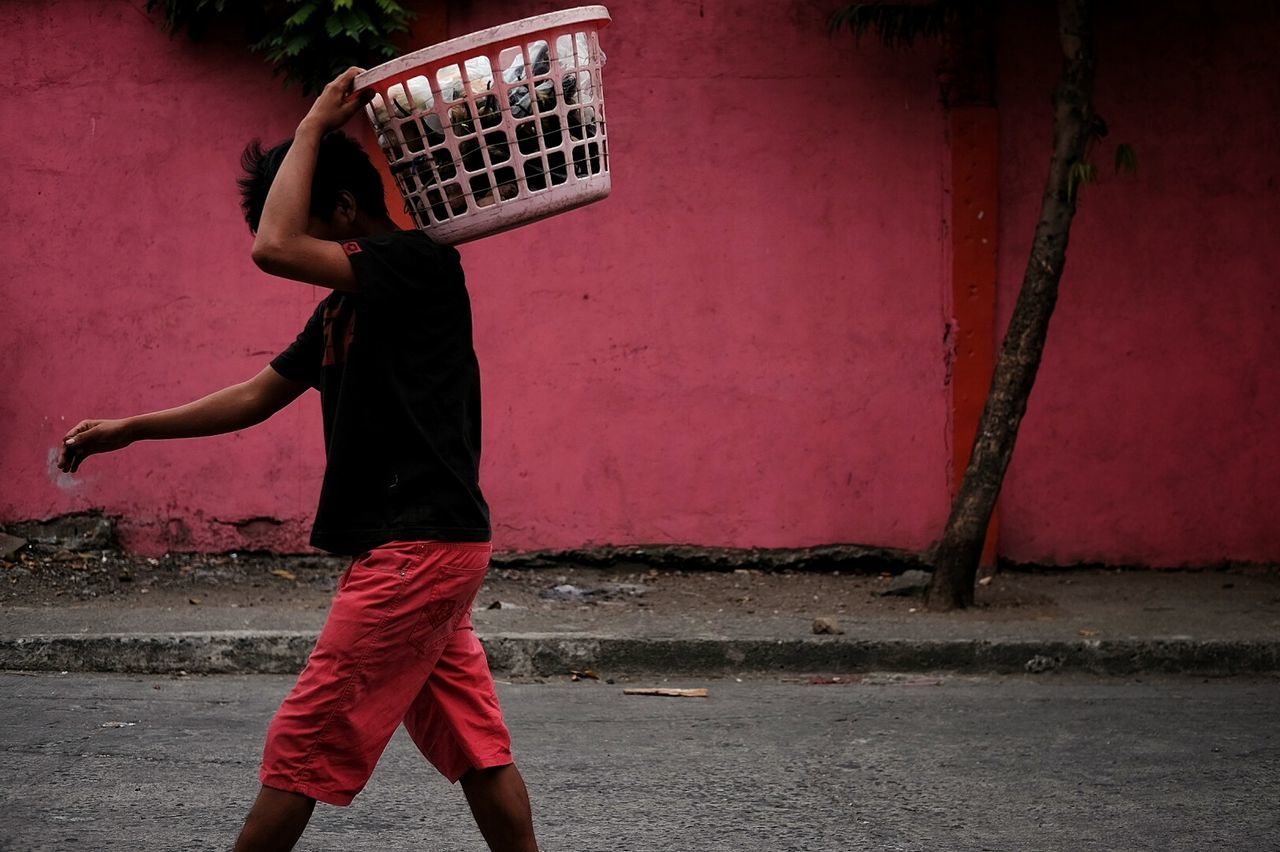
column 245, row 614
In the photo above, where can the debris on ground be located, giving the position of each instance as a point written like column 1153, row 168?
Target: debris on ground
column 1040, row 663
column 584, row 674
column 910, row 582
column 605, row 591
column 503, row 605
column 667, row 692
column 827, row 626
column 10, row 545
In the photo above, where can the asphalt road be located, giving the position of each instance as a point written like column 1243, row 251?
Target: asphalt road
column 116, row 762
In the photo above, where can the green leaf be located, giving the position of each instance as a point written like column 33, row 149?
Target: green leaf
column 307, row 41
column 350, row 23
column 297, row 44
column 300, row 17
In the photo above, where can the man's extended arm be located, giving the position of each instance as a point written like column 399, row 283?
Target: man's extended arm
column 282, row 246
column 227, row 410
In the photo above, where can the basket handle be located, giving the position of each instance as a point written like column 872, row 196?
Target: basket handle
column 361, row 83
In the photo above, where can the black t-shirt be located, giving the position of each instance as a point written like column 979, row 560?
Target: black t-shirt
column 400, row 391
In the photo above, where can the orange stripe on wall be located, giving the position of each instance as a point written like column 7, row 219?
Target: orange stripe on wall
column 974, row 196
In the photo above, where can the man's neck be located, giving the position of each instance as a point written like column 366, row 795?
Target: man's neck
column 372, row 227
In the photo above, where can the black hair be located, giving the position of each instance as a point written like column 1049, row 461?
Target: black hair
column 341, row 164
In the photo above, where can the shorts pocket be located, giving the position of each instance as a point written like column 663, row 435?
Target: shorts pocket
column 449, row 581
column 461, row 562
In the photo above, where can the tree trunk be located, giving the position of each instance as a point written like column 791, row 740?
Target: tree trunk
column 957, row 555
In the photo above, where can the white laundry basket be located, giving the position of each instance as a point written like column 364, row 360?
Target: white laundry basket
column 498, row 128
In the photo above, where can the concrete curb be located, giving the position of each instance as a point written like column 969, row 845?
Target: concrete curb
column 526, row 655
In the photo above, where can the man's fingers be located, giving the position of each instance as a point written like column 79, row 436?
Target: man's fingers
column 77, row 434
column 343, row 82
column 347, row 87
column 75, row 457
column 78, row 444
column 69, row 460
column 74, row 448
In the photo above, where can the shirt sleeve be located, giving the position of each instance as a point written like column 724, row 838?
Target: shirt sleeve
column 302, row 361
column 403, row 268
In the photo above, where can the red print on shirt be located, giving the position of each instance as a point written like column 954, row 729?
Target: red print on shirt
column 351, row 247
column 339, row 331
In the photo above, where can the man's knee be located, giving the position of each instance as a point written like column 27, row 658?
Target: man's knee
column 480, row 775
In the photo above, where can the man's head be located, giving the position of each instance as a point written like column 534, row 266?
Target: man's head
column 345, row 191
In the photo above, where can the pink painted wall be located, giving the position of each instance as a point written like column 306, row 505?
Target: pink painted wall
column 128, row 285
column 1153, row 435
column 742, row 346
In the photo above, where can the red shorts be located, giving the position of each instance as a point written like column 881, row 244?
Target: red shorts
column 398, row 647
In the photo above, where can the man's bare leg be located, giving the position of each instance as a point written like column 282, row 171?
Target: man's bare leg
column 500, row 803
column 275, row 822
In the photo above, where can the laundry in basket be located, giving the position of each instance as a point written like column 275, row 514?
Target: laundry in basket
column 498, row 128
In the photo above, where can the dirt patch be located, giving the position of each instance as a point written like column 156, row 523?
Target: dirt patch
column 69, row 577
column 64, row 577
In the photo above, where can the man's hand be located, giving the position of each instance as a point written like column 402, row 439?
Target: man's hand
column 89, row 437
column 335, row 106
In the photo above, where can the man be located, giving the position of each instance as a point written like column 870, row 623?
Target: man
column 390, row 351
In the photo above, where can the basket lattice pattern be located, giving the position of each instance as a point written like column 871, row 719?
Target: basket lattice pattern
column 504, row 133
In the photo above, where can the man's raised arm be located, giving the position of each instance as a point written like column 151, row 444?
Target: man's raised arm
column 284, row 244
